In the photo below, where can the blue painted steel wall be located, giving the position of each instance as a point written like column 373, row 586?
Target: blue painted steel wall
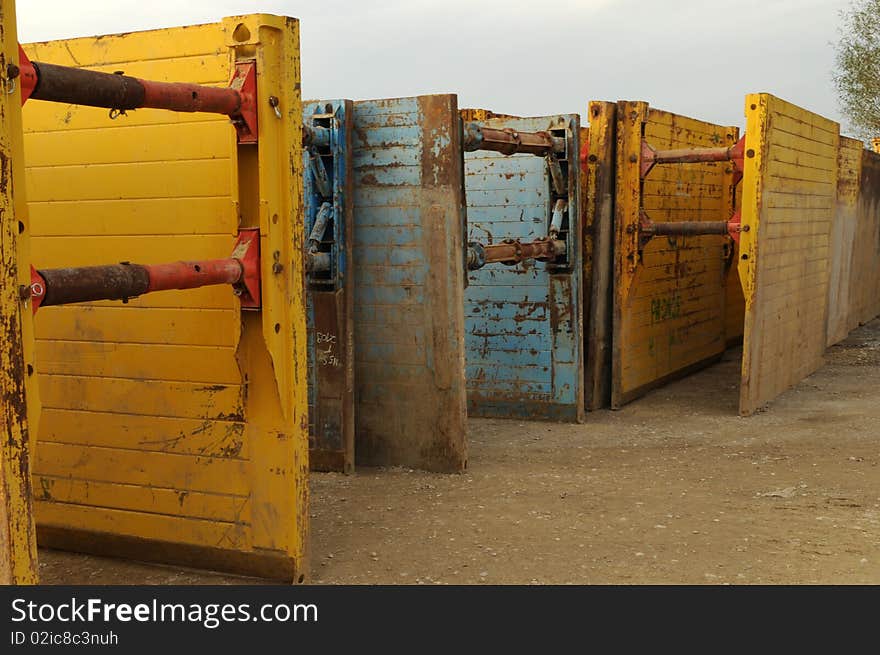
column 523, row 323
column 328, row 436
column 408, row 240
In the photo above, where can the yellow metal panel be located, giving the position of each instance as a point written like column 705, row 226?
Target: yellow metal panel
column 843, row 232
column 204, row 364
column 734, row 301
column 18, row 552
column 175, row 425
column 121, row 324
column 164, row 216
column 146, row 433
column 141, row 397
column 114, row 495
column 864, row 299
column 669, row 296
column 474, row 114
column 785, row 256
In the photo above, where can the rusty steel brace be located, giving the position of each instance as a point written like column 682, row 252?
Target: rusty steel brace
column 651, row 157
column 648, row 229
column 118, row 92
column 508, row 141
column 63, row 286
column 511, row 252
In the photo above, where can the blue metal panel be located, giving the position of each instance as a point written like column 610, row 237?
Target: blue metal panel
column 523, row 324
column 327, row 183
column 409, row 271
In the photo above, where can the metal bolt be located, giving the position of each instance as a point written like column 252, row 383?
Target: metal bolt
column 277, row 268
column 274, row 102
column 633, row 159
column 746, row 228
column 12, row 71
column 24, row 292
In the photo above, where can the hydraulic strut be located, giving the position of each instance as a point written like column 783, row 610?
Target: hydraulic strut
column 510, row 142
column 652, row 157
column 63, row 286
column 512, row 251
column 120, row 93
column 648, row 229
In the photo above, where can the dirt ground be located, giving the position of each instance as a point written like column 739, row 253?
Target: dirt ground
column 675, row 488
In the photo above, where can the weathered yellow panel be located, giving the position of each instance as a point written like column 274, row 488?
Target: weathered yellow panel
column 843, row 232
column 145, row 433
column 175, row 425
column 669, row 296
column 734, row 301
column 785, row 256
column 864, row 288
column 475, row 114
column 18, row 549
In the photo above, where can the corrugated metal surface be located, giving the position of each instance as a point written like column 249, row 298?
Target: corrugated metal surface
column 18, row 402
column 789, row 200
column 669, row 297
column 409, row 273
column 330, row 298
column 843, row 232
column 524, row 325
column 154, row 436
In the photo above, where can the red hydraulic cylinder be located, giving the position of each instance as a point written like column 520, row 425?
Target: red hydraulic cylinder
column 191, row 275
column 652, row 157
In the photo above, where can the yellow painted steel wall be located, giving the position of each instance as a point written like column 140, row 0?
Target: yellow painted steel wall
column 174, row 426
column 864, row 288
column 789, row 200
column 18, row 400
column 843, row 232
column 475, row 114
column 669, row 299
column 734, row 301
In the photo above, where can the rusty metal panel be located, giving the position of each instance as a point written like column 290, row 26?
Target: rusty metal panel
column 329, row 292
column 734, row 301
column 789, row 200
column 174, row 427
column 669, row 294
column 598, row 163
column 475, row 114
column 524, row 333
column 409, row 281
column 19, row 404
column 843, row 233
column 864, row 288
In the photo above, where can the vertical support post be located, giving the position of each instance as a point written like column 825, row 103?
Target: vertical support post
column 272, row 352
column 631, row 116
column 599, row 171
column 330, row 292
column 18, row 552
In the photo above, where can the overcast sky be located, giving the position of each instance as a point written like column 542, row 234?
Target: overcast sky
column 694, row 57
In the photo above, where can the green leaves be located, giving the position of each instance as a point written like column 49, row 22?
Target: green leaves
column 857, row 76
